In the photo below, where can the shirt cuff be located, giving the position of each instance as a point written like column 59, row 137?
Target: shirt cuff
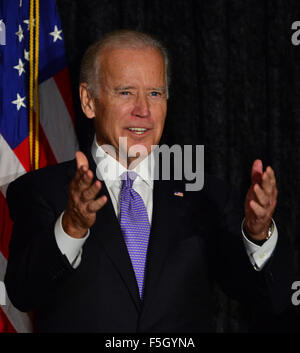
column 69, row 246
column 259, row 255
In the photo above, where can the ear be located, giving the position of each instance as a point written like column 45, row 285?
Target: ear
column 87, row 101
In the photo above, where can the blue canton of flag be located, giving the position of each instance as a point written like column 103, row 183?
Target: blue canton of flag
column 14, row 62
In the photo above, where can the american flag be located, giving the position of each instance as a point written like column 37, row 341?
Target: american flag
column 53, row 106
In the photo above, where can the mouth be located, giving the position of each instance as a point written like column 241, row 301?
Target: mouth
column 138, row 130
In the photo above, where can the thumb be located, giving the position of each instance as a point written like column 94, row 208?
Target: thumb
column 257, row 171
column 81, row 160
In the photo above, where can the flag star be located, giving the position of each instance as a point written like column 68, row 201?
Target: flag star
column 19, row 102
column 27, row 22
column 20, row 34
column 26, row 55
column 56, row 34
column 20, row 67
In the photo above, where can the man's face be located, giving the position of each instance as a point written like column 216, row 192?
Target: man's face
column 132, row 98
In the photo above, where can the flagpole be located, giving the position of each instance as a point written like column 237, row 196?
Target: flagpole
column 34, row 111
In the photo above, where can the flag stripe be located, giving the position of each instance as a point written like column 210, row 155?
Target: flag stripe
column 5, row 324
column 52, row 104
column 5, row 226
column 47, row 156
column 62, row 80
column 13, row 168
column 20, row 321
column 22, row 152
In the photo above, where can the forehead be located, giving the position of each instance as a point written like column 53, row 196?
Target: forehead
column 123, row 62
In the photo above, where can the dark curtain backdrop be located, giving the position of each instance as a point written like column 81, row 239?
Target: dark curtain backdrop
column 235, row 88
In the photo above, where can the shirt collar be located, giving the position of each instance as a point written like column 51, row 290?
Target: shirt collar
column 110, row 170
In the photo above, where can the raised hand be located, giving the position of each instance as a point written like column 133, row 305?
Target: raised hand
column 260, row 201
column 82, row 207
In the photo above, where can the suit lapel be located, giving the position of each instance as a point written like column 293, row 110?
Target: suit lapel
column 166, row 211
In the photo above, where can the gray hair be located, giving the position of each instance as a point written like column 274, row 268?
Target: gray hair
column 90, row 65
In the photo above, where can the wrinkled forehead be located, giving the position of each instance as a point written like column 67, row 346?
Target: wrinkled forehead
column 113, row 60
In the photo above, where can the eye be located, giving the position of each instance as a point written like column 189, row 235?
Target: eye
column 125, row 93
column 155, row 94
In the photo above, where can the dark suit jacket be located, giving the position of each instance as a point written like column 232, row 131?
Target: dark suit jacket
column 194, row 240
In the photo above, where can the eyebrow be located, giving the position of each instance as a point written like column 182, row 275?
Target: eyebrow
column 162, row 89
column 124, row 88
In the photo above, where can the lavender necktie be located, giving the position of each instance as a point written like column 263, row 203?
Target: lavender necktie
column 135, row 227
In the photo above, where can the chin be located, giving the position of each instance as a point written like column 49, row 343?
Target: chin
column 139, row 147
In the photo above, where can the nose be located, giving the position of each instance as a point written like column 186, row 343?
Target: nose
column 141, row 108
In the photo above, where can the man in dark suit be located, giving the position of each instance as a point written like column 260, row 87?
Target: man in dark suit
column 139, row 256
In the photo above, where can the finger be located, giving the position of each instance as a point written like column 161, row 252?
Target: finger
column 84, row 180
column 91, row 192
column 271, row 172
column 272, row 177
column 258, row 210
column 256, row 171
column 266, row 183
column 81, row 160
column 97, row 204
column 261, row 196
column 77, row 175
column 87, row 176
column 82, row 165
column 269, row 181
column 274, row 186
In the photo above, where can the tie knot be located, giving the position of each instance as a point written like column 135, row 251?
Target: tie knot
column 128, row 179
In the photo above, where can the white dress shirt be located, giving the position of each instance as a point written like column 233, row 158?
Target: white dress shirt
column 109, row 171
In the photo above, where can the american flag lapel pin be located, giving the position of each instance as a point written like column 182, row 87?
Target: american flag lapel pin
column 178, row 193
